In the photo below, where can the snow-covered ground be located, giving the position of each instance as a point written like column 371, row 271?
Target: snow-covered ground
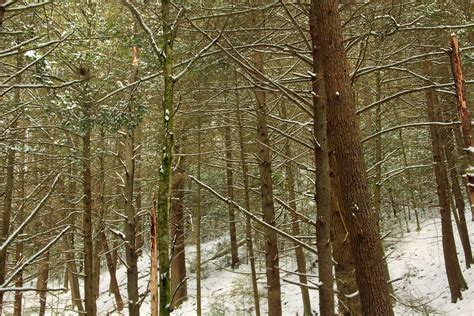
column 416, row 259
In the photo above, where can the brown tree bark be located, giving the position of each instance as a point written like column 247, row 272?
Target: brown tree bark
column 323, row 189
column 248, row 227
column 463, row 114
column 453, row 270
column 90, row 302
column 230, row 193
column 42, row 284
column 457, row 193
column 9, row 185
column 266, row 192
column 295, row 227
column 114, row 286
column 128, row 161
column 356, row 209
column 154, row 261
column 178, row 284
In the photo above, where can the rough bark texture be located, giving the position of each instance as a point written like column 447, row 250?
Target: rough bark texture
column 9, row 182
column 295, row 227
column 164, row 176
column 323, row 189
column 463, row 113
column 114, row 287
column 128, row 161
column 248, row 227
column 230, row 193
column 266, row 192
column 198, row 226
column 457, row 193
column 178, row 259
column 154, row 262
column 453, row 270
column 90, row 303
column 42, row 285
column 356, row 209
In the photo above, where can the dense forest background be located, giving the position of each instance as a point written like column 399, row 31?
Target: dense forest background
column 307, row 137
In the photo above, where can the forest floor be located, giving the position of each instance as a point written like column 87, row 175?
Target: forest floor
column 415, row 260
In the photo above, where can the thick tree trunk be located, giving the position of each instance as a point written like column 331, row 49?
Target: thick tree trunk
column 357, row 211
column 295, row 227
column 230, row 193
column 248, row 227
column 323, row 189
column 453, row 270
column 178, row 256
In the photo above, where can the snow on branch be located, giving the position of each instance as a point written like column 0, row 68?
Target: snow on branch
column 253, row 217
column 30, row 217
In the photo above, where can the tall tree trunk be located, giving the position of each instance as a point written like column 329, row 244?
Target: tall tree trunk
column 266, row 192
column 230, row 193
column 248, row 227
column 178, row 255
column 323, row 189
column 128, row 161
column 42, row 285
column 154, row 262
column 9, row 183
column 295, row 227
column 464, row 115
column 357, row 212
column 114, row 286
column 90, row 302
column 198, row 225
column 164, row 177
column 19, row 248
column 457, row 193
column 453, row 270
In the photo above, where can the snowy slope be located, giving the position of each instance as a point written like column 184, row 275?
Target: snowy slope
column 416, row 258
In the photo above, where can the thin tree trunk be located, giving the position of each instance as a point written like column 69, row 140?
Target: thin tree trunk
column 198, row 225
column 164, row 176
column 70, row 251
column 248, row 227
column 323, row 189
column 230, row 193
column 453, row 270
column 43, row 274
column 357, row 212
column 266, row 192
column 458, row 197
column 295, row 227
column 9, row 185
column 154, row 262
column 463, row 114
column 19, row 248
column 178, row 255
column 128, row 161
column 89, row 278
column 114, row 287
